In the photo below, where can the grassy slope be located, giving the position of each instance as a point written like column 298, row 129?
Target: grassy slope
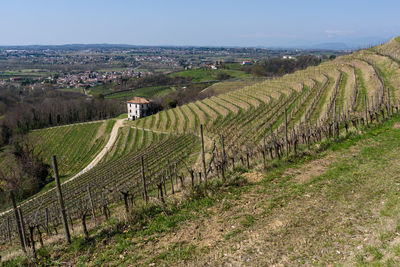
column 340, row 205
column 232, row 84
column 202, row 75
column 74, row 145
column 142, row 92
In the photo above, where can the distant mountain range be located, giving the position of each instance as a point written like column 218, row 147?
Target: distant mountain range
column 348, row 44
column 337, row 44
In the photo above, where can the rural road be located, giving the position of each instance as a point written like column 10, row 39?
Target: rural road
column 113, row 136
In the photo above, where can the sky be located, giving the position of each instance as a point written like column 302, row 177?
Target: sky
column 278, row 23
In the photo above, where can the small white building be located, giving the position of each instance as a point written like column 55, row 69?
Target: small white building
column 138, row 107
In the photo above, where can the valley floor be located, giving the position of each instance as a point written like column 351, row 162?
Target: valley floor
column 338, row 206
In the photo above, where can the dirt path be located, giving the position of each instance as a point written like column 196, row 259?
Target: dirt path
column 113, row 136
column 149, row 130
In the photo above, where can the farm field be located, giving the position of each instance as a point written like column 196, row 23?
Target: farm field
column 26, row 73
column 100, row 89
column 147, row 92
column 258, row 125
column 203, row 75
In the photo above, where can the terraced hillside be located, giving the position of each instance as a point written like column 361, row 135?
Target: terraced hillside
column 312, row 96
column 357, row 87
column 132, row 139
column 75, row 145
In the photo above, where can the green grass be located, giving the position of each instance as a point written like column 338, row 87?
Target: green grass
column 148, row 92
column 26, row 73
column 100, row 89
column 321, row 102
column 362, row 91
column 203, row 75
column 232, row 84
column 342, row 87
column 233, row 66
column 74, row 90
column 75, row 146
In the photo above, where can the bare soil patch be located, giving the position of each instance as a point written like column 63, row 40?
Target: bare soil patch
column 396, row 125
column 101, row 131
column 312, row 169
column 253, row 177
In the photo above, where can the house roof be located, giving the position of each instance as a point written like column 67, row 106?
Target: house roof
column 139, row 100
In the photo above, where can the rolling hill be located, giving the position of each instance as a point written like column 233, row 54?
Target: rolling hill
column 282, row 117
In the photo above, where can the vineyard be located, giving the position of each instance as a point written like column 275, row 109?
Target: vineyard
column 311, row 97
column 76, row 145
column 132, row 139
column 157, row 155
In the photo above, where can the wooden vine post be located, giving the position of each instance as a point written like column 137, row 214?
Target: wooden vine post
column 286, row 134
column 8, row 230
column 47, row 221
column 61, row 201
column 203, row 156
column 223, row 158
column 263, row 151
column 18, row 223
column 22, row 223
column 91, row 203
column 366, row 109
column 144, row 181
column 170, row 178
column 388, row 104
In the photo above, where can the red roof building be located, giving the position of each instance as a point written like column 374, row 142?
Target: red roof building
column 138, row 107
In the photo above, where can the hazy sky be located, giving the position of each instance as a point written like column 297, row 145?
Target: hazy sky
column 203, row 22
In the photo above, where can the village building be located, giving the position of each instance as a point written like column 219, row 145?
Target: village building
column 138, row 107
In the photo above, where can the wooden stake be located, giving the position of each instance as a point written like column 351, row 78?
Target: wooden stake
column 388, row 96
column 286, row 134
column 31, row 234
column 144, row 181
column 22, row 222
column 366, row 109
column 91, row 203
column 223, row 157
column 47, row 221
column 203, row 157
column 8, row 230
column 61, row 201
column 17, row 221
column 160, row 189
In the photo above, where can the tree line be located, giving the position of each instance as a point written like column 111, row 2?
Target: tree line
column 125, row 83
column 280, row 66
column 25, row 109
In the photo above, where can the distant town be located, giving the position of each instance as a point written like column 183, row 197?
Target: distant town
column 84, row 66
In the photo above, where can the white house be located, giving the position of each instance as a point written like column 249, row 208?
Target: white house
column 138, row 107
